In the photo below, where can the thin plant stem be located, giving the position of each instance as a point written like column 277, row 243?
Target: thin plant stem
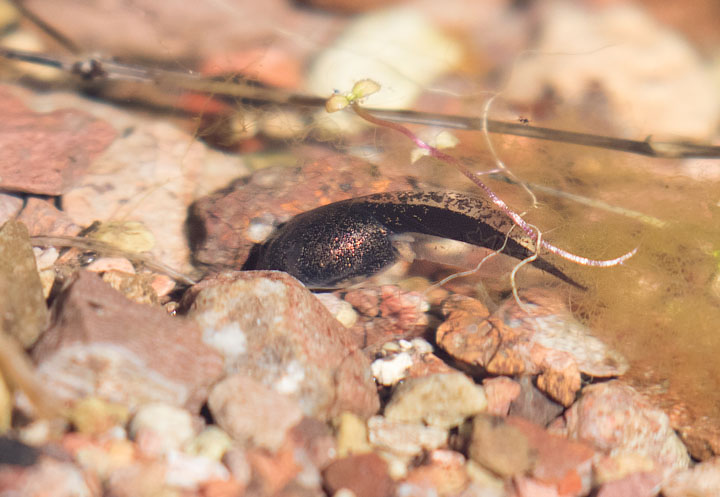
column 517, row 219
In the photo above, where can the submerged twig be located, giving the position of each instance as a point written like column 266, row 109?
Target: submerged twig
column 99, row 70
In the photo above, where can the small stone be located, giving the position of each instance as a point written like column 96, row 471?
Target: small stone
column 10, row 206
column 271, row 328
column 42, row 218
column 548, row 342
column 500, row 392
column 48, row 477
column 142, row 479
column 188, row 472
column 211, row 443
column 444, row 471
column 273, row 472
column 252, row 413
column 100, row 456
column 160, row 428
column 703, row 480
column 388, row 371
column 47, row 153
column 366, row 475
column 93, row 415
column 386, row 313
column 530, row 487
column 611, row 468
column 405, row 439
column 534, row 405
column 442, row 400
column 6, row 405
column 99, row 337
column 404, row 359
column 482, row 482
column 616, row 419
column 500, row 447
column 634, row 485
column 314, row 438
column 23, row 312
column 565, row 465
column 339, row 308
column 352, row 435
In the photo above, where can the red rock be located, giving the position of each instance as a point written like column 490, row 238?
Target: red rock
column 549, row 342
column 349, row 6
column 10, row 205
column 528, row 487
column 142, row 479
column 444, row 471
column 47, row 153
column 316, row 440
column 102, row 344
column 562, row 463
column 44, row 219
column 252, row 413
column 272, row 329
column 366, row 475
column 272, row 472
column 405, row 439
column 614, row 418
column 500, row 392
column 634, row 485
column 386, row 313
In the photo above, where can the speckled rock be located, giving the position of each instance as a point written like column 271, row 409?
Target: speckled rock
column 10, row 205
column 97, row 336
column 441, row 400
column 405, row 439
column 252, row 413
column 614, row 418
column 272, row 329
column 548, row 342
column 534, row 405
column 386, row 313
column 404, row 359
column 701, row 481
column 47, row 153
column 44, row 219
column 23, row 312
column 366, row 475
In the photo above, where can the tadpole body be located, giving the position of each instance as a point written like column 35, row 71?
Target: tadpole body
column 346, row 241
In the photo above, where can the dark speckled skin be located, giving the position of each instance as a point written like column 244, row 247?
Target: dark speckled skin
column 352, row 239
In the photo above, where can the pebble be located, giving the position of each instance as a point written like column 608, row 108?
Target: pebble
column 98, row 337
column 93, row 415
column 500, row 447
column 22, row 305
column 443, row 471
column 440, row 400
column 251, row 413
column 405, row 439
column 47, row 153
column 534, row 405
column 211, row 443
column 563, row 464
column 634, row 485
column 351, row 434
column 160, row 428
column 64, row 478
column 386, row 313
column 703, row 480
column 42, row 218
column 548, row 342
column 616, row 419
column 271, row 328
column 6, row 405
column 340, row 309
column 500, row 391
column 188, row 472
column 366, row 475
column 10, row 205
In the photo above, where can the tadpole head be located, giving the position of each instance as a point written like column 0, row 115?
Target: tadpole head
column 329, row 247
